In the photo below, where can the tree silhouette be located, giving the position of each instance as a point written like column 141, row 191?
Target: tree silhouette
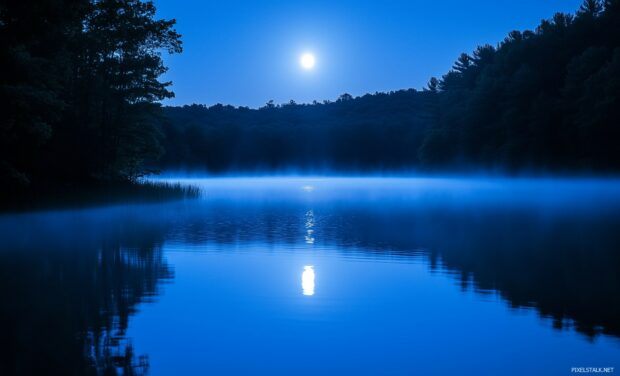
column 433, row 84
column 591, row 8
column 81, row 80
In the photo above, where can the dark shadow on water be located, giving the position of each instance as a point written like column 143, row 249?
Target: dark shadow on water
column 567, row 268
column 67, row 300
column 67, row 196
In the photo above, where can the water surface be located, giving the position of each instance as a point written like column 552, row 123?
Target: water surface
column 307, row 276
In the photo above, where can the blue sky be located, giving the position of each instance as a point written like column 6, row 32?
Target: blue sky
column 247, row 52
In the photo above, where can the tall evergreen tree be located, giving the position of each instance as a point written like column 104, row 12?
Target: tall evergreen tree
column 126, row 65
column 590, row 8
column 80, row 81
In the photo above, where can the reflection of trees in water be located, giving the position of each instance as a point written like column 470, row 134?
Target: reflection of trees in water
column 69, row 283
column 564, row 264
column 68, row 298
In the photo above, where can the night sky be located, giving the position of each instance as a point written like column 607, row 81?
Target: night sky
column 245, row 53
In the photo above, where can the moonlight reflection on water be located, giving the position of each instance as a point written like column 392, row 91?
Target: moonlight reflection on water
column 307, row 280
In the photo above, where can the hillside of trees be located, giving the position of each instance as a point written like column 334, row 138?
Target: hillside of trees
column 381, row 131
column 79, row 87
column 80, row 90
column 545, row 100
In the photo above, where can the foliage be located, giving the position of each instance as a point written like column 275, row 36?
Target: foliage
column 546, row 99
column 380, row 131
column 79, row 80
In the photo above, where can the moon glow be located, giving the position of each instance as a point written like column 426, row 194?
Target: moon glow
column 307, row 61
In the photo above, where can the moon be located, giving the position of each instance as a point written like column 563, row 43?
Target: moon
column 307, row 61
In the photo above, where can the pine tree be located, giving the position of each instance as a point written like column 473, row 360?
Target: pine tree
column 123, row 62
column 591, row 8
column 463, row 62
column 433, row 84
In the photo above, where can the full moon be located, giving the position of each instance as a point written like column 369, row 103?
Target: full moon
column 307, row 61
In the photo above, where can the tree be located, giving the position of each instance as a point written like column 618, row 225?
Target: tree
column 612, row 6
column 545, row 99
column 35, row 55
column 122, row 57
column 462, row 63
column 590, row 8
column 432, row 85
column 345, row 97
column 483, row 55
column 81, row 82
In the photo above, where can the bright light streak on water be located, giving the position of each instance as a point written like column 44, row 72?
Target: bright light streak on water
column 307, row 280
column 309, row 227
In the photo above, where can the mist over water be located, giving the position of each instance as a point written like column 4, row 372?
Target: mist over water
column 307, row 275
column 366, row 227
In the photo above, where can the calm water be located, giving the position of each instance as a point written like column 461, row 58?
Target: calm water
column 302, row 276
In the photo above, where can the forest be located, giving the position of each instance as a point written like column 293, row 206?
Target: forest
column 81, row 87
column 546, row 100
column 379, row 131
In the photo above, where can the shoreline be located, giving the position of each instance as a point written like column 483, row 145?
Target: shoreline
column 58, row 195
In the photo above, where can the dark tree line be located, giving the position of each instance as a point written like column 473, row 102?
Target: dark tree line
column 80, row 92
column 79, row 88
column 547, row 99
column 370, row 132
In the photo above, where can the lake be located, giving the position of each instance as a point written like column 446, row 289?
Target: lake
column 319, row 276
